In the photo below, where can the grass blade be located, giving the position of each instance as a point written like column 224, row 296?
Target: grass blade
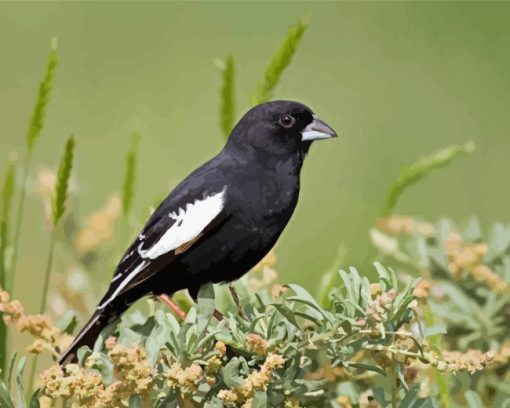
column 280, row 61
column 7, row 193
column 37, row 119
column 129, row 177
column 63, row 175
column 415, row 172
column 8, row 189
column 227, row 108
column 20, row 369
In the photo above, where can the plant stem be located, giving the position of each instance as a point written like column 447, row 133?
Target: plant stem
column 19, row 220
column 47, row 275
column 393, row 382
column 31, row 379
column 435, row 343
column 44, row 300
column 3, row 326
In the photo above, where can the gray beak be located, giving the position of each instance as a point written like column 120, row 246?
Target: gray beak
column 317, row 130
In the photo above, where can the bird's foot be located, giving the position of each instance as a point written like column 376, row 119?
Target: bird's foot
column 237, row 302
column 167, row 300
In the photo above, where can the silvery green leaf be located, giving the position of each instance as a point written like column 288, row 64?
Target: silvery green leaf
column 499, row 242
column 135, row 402
column 19, row 379
column 8, row 380
column 471, row 230
column 5, row 397
column 286, row 313
column 67, row 323
column 201, row 393
column 230, row 373
column 214, row 403
column 205, row 300
column 82, row 354
column 410, row 397
column 473, row 399
column 34, row 400
column 434, row 330
column 259, row 400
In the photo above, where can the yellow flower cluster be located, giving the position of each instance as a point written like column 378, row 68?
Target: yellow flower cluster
column 452, row 361
column 99, row 226
column 220, row 348
column 47, row 335
column 376, row 311
column 257, row 380
column 466, row 257
column 133, row 371
column 422, row 290
column 405, row 225
column 85, row 387
column 185, row 379
column 256, row 344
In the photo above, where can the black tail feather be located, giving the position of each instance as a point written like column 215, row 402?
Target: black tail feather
column 87, row 336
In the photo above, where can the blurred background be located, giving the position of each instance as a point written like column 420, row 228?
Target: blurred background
column 397, row 80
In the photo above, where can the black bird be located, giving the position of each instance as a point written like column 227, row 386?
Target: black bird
column 220, row 220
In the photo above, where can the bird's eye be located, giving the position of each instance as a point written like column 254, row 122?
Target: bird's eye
column 287, row 121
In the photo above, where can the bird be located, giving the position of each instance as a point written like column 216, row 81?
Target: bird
column 221, row 220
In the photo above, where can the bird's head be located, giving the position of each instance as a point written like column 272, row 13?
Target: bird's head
column 280, row 127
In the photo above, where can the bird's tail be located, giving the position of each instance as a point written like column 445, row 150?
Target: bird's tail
column 88, row 335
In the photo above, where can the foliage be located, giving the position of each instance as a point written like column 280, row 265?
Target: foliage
column 63, row 175
column 129, row 178
column 415, row 172
column 227, row 106
column 43, row 96
column 7, row 193
column 467, row 278
column 279, row 62
column 290, row 351
column 34, row 130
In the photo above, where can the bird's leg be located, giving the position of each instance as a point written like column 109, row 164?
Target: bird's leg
column 167, row 300
column 237, row 301
column 218, row 315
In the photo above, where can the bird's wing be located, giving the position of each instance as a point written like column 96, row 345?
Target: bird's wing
column 164, row 237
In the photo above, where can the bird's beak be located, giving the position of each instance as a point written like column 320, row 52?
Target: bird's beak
column 317, row 130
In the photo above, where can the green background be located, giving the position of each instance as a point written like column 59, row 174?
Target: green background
column 396, row 80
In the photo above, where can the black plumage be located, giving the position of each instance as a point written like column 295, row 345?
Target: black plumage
column 221, row 219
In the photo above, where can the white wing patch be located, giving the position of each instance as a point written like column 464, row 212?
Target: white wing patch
column 189, row 223
column 122, row 285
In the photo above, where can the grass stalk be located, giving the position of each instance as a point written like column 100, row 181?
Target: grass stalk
column 128, row 188
column 7, row 193
column 58, row 209
column 413, row 173
column 35, row 127
column 47, row 273
column 279, row 62
column 394, row 389
column 19, row 221
column 42, row 305
column 227, row 106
